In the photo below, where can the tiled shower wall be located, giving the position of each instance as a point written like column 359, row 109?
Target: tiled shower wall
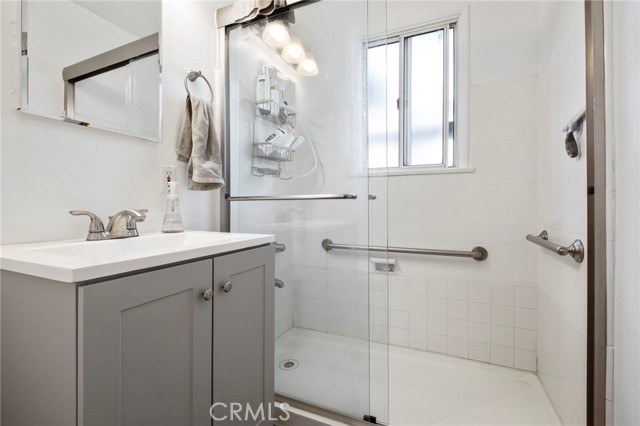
column 485, row 311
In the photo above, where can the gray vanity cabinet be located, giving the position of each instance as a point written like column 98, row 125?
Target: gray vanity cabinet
column 144, row 348
column 148, row 348
column 243, row 338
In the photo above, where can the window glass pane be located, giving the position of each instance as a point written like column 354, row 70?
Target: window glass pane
column 383, row 79
column 452, row 98
column 424, row 99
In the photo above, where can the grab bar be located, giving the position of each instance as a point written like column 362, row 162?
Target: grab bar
column 575, row 250
column 290, row 197
column 477, row 253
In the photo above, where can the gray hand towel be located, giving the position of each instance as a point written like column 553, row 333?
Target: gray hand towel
column 198, row 146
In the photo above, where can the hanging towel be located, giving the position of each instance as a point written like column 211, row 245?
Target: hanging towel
column 198, row 146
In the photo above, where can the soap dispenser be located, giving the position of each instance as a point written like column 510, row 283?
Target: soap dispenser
column 172, row 220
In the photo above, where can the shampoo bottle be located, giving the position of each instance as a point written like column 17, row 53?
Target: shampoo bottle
column 172, row 219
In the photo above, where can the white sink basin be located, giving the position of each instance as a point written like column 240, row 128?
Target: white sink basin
column 79, row 260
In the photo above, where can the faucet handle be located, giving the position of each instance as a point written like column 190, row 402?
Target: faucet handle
column 96, row 225
column 131, row 220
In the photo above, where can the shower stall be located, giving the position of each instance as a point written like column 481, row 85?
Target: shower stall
column 401, row 152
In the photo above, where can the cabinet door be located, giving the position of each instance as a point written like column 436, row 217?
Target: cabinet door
column 243, row 334
column 144, row 349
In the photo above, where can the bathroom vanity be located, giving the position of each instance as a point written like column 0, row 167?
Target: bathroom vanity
column 146, row 331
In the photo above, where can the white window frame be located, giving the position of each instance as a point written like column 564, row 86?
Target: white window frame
column 461, row 158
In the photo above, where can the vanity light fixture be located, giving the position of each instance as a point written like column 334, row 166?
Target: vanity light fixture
column 276, row 34
column 308, row 66
column 293, row 52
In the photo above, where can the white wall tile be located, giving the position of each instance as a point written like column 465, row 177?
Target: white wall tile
column 526, row 297
column 437, row 343
column 479, row 332
column 525, row 339
column 458, row 328
column 479, row 351
column 525, row 360
column 502, row 355
column 458, row 309
column 418, row 340
column 502, row 295
column 457, row 347
column 417, row 322
column 503, row 336
column 437, row 324
column 502, row 315
column 479, row 293
column 480, row 312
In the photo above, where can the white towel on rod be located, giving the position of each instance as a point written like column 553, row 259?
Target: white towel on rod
column 198, row 146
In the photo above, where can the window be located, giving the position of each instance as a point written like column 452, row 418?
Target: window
column 412, row 99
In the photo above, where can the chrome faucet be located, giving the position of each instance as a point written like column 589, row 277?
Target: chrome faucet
column 121, row 225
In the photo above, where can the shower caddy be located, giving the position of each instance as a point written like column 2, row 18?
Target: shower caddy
column 268, row 158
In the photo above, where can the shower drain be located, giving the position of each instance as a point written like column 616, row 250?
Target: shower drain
column 289, row 364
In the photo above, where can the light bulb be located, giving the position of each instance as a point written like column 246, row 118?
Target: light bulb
column 308, row 67
column 293, row 52
column 276, row 34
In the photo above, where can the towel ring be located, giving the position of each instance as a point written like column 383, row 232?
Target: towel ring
column 193, row 76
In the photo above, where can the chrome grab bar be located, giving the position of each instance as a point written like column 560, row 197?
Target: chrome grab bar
column 228, row 197
column 575, row 250
column 477, row 253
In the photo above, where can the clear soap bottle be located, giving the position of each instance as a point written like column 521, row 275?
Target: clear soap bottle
column 172, row 219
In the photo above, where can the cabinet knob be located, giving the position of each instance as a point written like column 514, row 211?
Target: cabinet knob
column 207, row 295
column 226, row 287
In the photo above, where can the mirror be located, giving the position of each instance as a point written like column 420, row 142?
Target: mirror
column 93, row 63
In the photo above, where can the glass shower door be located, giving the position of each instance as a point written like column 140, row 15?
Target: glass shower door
column 297, row 140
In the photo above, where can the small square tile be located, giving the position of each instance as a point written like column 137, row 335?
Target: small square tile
column 479, row 351
column 399, row 319
column 526, row 318
column 418, row 304
column 458, row 309
column 418, row 340
column 398, row 283
column 502, row 355
column 525, row 360
column 398, row 337
column 417, row 322
column 457, row 347
column 526, row 339
column 457, row 328
column 502, row 295
column 479, row 332
column 437, row 343
column 502, row 336
column 398, row 301
column 480, row 312
column 526, row 297
column 418, row 286
column 437, row 324
column 502, row 315
column 480, row 293
column 437, row 288
column 458, row 290
column 437, row 306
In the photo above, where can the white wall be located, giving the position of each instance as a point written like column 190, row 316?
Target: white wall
column 562, row 210
column 623, row 125
column 49, row 168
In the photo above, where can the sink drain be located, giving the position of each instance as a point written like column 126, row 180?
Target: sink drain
column 289, row 364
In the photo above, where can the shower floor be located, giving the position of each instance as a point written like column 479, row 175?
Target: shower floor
column 424, row 388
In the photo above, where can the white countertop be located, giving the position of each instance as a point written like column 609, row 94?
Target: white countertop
column 80, row 260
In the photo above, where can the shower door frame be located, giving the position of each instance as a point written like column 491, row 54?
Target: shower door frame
column 596, row 202
column 225, row 22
